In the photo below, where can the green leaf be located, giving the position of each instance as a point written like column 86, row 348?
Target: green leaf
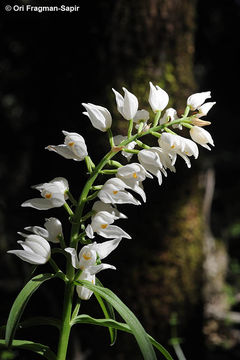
column 35, row 321
column 135, row 326
column 86, row 319
column 29, row 345
column 20, row 304
column 108, row 312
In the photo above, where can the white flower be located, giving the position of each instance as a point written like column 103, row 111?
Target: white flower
column 74, row 147
column 99, row 116
column 178, row 145
column 86, row 261
column 118, row 139
column 141, row 115
column 101, row 224
column 51, row 232
column 101, row 206
column 36, row 250
column 196, row 100
column 53, row 193
column 170, row 115
column 156, row 160
column 127, row 105
column 201, row 136
column 158, row 98
column 204, row 109
column 133, row 174
column 113, row 191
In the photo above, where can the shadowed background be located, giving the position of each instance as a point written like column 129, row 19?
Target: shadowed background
column 184, row 255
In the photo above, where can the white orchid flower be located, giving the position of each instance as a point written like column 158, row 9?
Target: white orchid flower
column 74, row 147
column 204, row 109
column 101, row 206
column 99, row 116
column 53, row 195
column 201, row 136
column 36, row 250
column 196, row 100
column 178, row 145
column 113, row 191
column 101, row 224
column 141, row 115
column 127, row 105
column 170, row 115
column 156, row 160
column 51, row 232
column 158, row 98
column 133, row 174
column 86, row 261
column 118, row 139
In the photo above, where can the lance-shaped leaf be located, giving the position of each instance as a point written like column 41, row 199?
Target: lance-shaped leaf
column 135, row 326
column 108, row 311
column 86, row 319
column 20, row 304
column 30, row 345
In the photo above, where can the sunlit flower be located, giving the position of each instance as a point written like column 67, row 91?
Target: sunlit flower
column 53, row 195
column 178, row 145
column 196, row 100
column 118, row 139
column 156, row 160
column 101, row 224
column 133, row 174
column 169, row 115
column 101, row 206
column 204, row 109
column 87, row 262
column 36, row 250
column 113, row 191
column 201, row 136
column 127, row 105
column 52, row 230
column 158, row 98
column 74, row 147
column 99, row 116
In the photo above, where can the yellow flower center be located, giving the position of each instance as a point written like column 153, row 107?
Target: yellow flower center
column 134, row 175
column 173, row 146
column 115, row 192
column 87, row 256
column 71, row 143
column 103, row 226
column 48, row 196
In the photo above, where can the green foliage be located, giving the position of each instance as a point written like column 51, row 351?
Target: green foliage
column 86, row 319
column 35, row 347
column 136, row 328
column 20, row 304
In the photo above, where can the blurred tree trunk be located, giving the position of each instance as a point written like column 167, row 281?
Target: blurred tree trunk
column 154, row 41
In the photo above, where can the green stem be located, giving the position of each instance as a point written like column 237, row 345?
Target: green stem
column 68, row 209
column 110, row 137
column 71, row 198
column 66, row 322
column 108, row 171
column 157, row 117
column 130, row 128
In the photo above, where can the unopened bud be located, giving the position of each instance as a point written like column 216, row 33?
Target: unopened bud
column 196, row 121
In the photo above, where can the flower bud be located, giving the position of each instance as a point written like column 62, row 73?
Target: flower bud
column 196, row 100
column 127, row 105
column 158, row 98
column 99, row 116
column 201, row 136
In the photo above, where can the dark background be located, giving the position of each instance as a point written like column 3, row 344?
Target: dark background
column 52, row 62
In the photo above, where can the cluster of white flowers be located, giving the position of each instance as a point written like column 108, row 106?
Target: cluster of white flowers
column 127, row 178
